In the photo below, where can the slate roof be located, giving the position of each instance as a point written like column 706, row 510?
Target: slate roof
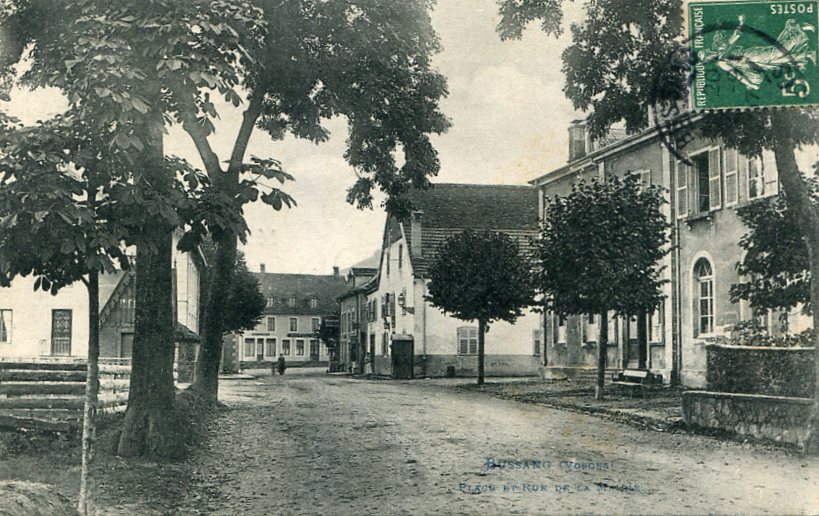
column 448, row 209
column 324, row 288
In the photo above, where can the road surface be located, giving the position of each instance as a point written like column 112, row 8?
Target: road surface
column 309, row 443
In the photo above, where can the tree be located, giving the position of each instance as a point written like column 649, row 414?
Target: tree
column 775, row 268
column 599, row 251
column 481, row 277
column 246, row 303
column 55, row 225
column 623, row 75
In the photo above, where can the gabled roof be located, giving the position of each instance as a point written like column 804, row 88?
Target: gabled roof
column 448, row 209
column 303, row 287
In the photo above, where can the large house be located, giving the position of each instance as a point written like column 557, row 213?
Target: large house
column 296, row 306
column 702, row 198
column 408, row 337
column 37, row 324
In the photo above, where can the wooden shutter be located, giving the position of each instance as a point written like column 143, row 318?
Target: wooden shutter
column 682, row 190
column 714, row 183
column 742, row 177
column 769, row 173
column 731, row 176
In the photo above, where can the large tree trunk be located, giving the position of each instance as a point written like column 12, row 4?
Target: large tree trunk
column 799, row 199
column 150, row 425
column 481, row 350
column 602, row 344
column 206, row 383
column 92, row 386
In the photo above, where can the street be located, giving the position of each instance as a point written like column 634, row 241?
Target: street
column 309, row 443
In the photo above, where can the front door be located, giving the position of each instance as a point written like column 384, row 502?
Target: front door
column 61, row 332
column 402, row 358
column 314, row 350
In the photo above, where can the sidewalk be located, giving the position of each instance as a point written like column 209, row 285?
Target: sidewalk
column 660, row 409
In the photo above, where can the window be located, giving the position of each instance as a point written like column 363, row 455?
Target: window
column 250, row 347
column 61, row 322
column 682, row 189
column 313, row 302
column 756, row 179
column 286, row 347
column 643, row 178
column 388, row 263
column 731, row 157
column 315, row 323
column 294, row 324
column 467, row 340
column 708, row 181
column 704, row 297
column 300, row 347
column 271, row 324
column 614, row 328
column 591, row 334
column 270, row 347
column 655, row 329
column 291, row 301
column 270, row 302
column 537, row 340
column 561, row 329
column 400, row 256
column 5, row 326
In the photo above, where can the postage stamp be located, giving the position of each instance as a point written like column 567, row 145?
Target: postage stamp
column 747, row 54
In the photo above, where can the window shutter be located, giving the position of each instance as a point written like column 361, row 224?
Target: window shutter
column 682, row 190
column 731, row 177
column 714, row 183
column 742, row 177
column 769, row 173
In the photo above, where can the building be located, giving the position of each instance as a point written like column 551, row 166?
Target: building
column 296, row 306
column 354, row 347
column 702, row 198
column 406, row 336
column 37, row 324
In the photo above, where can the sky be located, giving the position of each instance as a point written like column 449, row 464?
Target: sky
column 509, row 119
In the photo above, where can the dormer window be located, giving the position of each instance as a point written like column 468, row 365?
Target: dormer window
column 291, row 301
column 313, row 302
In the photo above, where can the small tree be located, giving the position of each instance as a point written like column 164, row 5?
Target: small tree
column 599, row 251
column 481, row 276
column 775, row 268
column 246, row 302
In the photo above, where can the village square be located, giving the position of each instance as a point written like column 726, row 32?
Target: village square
column 375, row 257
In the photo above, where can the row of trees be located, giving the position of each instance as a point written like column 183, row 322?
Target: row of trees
column 95, row 180
column 599, row 250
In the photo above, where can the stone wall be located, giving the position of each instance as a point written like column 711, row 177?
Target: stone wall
column 765, row 417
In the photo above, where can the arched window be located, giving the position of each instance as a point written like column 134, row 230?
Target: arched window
column 703, row 297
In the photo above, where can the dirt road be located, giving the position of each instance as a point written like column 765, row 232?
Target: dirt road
column 308, row 443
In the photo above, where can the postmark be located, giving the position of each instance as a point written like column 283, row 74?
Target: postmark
column 752, row 54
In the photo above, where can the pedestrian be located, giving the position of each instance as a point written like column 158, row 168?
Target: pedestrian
column 281, row 364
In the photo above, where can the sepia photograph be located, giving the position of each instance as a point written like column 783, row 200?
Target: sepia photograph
column 417, row 257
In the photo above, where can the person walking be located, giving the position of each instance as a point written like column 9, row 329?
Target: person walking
column 281, row 364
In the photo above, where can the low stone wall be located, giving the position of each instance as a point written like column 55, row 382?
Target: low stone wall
column 766, row 417
column 772, row 371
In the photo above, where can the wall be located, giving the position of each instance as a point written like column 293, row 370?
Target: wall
column 762, row 417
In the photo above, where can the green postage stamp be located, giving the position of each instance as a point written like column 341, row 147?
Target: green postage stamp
column 752, row 53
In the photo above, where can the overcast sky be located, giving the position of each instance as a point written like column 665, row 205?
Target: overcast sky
column 509, row 126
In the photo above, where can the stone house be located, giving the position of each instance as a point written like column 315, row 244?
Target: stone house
column 354, row 346
column 406, row 336
column 702, row 198
column 296, row 306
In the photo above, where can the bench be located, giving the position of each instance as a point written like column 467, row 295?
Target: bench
column 635, row 379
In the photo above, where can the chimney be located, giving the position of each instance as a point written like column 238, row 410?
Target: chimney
column 261, row 267
column 577, row 139
column 335, row 271
column 415, row 233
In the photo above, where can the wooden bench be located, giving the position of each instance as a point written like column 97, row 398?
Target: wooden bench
column 635, row 379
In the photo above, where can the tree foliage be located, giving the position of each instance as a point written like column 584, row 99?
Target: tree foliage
column 246, row 303
column 775, row 271
column 600, row 248
column 481, row 276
